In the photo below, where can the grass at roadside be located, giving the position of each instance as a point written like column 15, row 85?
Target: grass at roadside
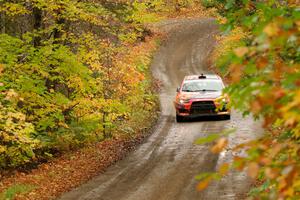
column 14, row 190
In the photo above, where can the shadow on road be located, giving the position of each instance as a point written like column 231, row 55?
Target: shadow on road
column 204, row 119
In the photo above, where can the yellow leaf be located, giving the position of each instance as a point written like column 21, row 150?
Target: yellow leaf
column 241, row 51
column 289, row 192
column 2, row 149
column 271, row 29
column 1, row 68
column 62, row 124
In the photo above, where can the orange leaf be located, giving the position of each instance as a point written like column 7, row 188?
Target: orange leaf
column 253, row 169
column 204, row 183
column 220, row 145
column 271, row 173
column 282, row 183
column 262, row 63
column 241, row 51
column 265, row 161
column 236, row 72
column 275, row 150
column 239, row 163
column 223, row 170
column 256, row 106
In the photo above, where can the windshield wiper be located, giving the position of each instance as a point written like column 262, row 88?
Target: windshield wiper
column 187, row 91
column 205, row 90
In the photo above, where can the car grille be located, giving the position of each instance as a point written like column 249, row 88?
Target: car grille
column 200, row 107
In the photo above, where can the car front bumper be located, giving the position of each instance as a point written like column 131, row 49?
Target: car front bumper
column 187, row 110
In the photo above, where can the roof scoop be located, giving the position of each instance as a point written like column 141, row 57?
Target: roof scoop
column 202, row 76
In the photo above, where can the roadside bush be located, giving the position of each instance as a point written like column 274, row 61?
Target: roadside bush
column 17, row 145
column 209, row 3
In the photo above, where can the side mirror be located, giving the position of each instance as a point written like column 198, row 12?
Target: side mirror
column 178, row 89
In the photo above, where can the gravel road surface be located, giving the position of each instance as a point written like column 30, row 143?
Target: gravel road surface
column 165, row 166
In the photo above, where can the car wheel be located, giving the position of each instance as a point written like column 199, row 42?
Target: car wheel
column 179, row 118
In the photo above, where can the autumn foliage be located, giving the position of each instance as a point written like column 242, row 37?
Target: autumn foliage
column 74, row 72
column 68, row 77
column 261, row 59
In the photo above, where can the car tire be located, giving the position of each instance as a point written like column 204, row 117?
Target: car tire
column 179, row 118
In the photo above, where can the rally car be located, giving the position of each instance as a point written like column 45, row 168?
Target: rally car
column 201, row 95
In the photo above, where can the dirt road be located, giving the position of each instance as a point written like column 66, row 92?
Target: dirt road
column 164, row 167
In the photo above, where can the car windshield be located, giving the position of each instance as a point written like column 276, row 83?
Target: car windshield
column 202, row 85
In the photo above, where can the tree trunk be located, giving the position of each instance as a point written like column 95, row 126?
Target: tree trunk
column 2, row 23
column 57, row 33
column 37, row 15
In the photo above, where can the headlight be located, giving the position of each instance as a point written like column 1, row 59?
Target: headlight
column 222, row 99
column 182, row 101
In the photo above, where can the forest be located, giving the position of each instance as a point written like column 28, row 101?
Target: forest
column 67, row 77
column 76, row 72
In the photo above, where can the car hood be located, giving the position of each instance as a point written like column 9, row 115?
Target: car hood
column 201, row 95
